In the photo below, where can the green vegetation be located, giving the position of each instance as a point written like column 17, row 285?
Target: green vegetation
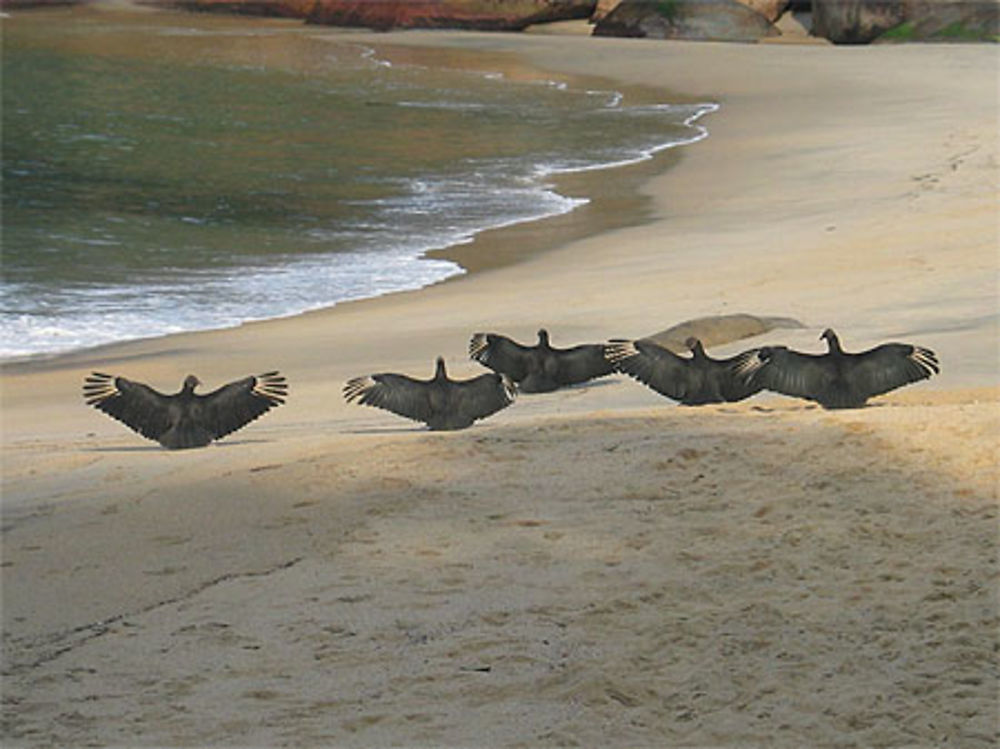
column 901, row 33
column 958, row 32
column 667, row 9
column 954, row 32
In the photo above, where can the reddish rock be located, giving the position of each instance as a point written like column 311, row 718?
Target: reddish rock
column 603, row 8
column 490, row 15
column 703, row 20
column 29, row 4
column 279, row 8
column 770, row 9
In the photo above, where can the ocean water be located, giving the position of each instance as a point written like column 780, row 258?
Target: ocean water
column 165, row 172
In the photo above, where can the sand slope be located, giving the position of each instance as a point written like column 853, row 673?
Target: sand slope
column 713, row 576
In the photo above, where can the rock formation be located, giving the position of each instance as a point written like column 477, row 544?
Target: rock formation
column 840, row 21
column 489, row 15
column 603, row 8
column 855, row 21
column 770, row 9
column 29, row 4
column 279, row 8
column 864, row 21
column 705, row 20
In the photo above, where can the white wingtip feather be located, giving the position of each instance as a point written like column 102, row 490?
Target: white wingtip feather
column 618, row 351
column 510, row 389
column 479, row 347
column 357, row 387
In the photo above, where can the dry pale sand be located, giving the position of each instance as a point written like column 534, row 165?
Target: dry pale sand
column 591, row 567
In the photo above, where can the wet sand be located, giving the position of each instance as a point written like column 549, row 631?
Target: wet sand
column 590, row 567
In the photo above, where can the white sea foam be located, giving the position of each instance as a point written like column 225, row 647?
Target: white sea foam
column 641, row 153
column 83, row 318
column 371, row 55
column 200, row 300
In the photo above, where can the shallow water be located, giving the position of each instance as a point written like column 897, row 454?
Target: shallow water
column 167, row 171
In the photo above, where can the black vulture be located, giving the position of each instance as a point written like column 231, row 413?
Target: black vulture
column 440, row 402
column 185, row 419
column 838, row 379
column 539, row 368
column 693, row 380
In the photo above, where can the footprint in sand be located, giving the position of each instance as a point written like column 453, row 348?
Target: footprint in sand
column 170, row 540
column 164, row 571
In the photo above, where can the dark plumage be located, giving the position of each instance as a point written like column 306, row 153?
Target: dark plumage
column 439, row 402
column 539, row 368
column 837, row 379
column 185, row 419
column 693, row 381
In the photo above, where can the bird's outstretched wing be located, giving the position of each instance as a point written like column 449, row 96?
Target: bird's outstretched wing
column 888, row 367
column 136, row 405
column 788, row 372
column 479, row 397
column 235, row 405
column 501, row 354
column 652, row 365
column 398, row 393
column 581, row 363
column 728, row 383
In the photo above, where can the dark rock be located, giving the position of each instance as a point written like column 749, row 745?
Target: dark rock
column 770, row 9
column 703, row 20
column 855, row 21
column 864, row 21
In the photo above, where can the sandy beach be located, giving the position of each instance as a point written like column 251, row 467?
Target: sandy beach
column 591, row 567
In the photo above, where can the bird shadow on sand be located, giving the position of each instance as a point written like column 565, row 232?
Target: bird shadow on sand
column 817, row 407
column 578, row 387
column 126, row 449
column 773, row 409
column 159, row 449
column 392, row 430
column 235, row 443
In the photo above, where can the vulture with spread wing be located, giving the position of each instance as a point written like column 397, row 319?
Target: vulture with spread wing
column 693, row 380
column 837, row 379
column 440, row 402
column 185, row 419
column 539, row 368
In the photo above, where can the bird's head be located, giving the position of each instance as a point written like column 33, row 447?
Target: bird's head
column 439, row 371
column 693, row 344
column 831, row 339
column 191, row 382
column 543, row 337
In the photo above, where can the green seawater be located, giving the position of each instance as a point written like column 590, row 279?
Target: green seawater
column 166, row 171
